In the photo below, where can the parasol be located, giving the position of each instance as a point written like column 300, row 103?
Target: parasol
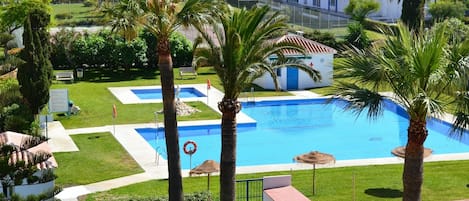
column 207, row 167
column 315, row 157
column 400, row 152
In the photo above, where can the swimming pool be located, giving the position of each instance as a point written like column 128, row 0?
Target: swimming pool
column 285, row 129
column 155, row 93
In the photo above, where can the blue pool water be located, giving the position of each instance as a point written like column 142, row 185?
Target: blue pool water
column 156, row 93
column 288, row 128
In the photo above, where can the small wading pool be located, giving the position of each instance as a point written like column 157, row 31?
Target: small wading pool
column 285, row 129
column 186, row 92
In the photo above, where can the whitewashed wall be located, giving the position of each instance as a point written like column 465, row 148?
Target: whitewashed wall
column 321, row 62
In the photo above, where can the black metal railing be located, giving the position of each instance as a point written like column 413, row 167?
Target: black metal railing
column 249, row 190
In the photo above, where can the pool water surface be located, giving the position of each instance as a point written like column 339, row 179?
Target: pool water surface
column 156, row 93
column 286, row 129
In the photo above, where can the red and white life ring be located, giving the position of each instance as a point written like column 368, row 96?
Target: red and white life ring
column 190, row 151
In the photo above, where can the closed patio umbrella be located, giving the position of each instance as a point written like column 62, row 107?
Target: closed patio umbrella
column 314, row 157
column 207, row 167
column 400, row 152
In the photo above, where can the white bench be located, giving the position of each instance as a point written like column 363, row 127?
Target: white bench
column 187, row 71
column 64, row 76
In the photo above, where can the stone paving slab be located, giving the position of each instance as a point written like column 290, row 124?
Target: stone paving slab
column 59, row 140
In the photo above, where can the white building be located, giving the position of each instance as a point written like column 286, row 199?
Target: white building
column 390, row 10
column 317, row 56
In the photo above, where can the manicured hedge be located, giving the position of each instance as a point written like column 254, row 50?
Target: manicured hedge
column 105, row 49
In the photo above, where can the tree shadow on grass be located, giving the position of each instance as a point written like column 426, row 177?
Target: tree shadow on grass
column 384, row 192
column 113, row 75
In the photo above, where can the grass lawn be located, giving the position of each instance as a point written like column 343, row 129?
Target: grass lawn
column 95, row 100
column 77, row 11
column 443, row 181
column 100, row 158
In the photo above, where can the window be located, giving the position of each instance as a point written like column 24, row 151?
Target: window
column 317, row 3
column 279, row 72
column 332, row 2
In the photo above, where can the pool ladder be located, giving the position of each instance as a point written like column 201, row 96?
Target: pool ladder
column 250, row 96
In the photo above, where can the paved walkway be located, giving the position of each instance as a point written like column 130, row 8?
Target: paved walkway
column 155, row 167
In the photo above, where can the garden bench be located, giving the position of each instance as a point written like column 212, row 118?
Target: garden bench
column 64, row 76
column 189, row 70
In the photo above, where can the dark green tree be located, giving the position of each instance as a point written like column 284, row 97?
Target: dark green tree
column 359, row 9
column 35, row 75
column 413, row 13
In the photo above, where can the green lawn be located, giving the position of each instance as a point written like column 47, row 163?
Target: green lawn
column 95, row 100
column 77, row 11
column 100, row 158
column 443, row 181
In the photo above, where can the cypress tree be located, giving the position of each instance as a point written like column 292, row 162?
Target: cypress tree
column 35, row 74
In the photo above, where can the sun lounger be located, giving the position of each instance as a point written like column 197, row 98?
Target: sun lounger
column 187, row 71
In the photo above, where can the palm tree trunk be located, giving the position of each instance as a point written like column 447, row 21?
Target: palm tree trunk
column 413, row 165
column 170, row 123
column 413, row 14
column 229, row 108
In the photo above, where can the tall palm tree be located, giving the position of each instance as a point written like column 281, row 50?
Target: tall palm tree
column 239, row 49
column 162, row 18
column 425, row 74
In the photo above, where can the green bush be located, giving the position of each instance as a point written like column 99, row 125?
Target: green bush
column 200, row 196
column 61, row 44
column 325, row 38
column 109, row 50
column 181, row 48
column 14, row 113
column 357, row 36
column 441, row 10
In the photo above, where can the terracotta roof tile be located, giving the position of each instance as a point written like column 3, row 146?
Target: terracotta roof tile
column 16, row 139
column 312, row 47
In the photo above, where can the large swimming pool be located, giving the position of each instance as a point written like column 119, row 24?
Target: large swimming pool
column 285, row 129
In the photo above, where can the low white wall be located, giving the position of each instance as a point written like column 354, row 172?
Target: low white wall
column 276, row 181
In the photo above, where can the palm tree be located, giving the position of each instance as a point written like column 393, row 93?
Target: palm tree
column 162, row 18
column 126, row 16
column 239, row 50
column 425, row 73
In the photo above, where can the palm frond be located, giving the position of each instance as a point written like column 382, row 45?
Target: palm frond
column 361, row 99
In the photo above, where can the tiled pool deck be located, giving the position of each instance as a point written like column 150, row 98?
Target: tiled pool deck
column 156, row 167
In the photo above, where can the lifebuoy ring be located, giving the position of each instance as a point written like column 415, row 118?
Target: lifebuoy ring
column 190, row 151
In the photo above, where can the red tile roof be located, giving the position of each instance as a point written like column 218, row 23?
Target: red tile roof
column 16, row 139
column 312, row 47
